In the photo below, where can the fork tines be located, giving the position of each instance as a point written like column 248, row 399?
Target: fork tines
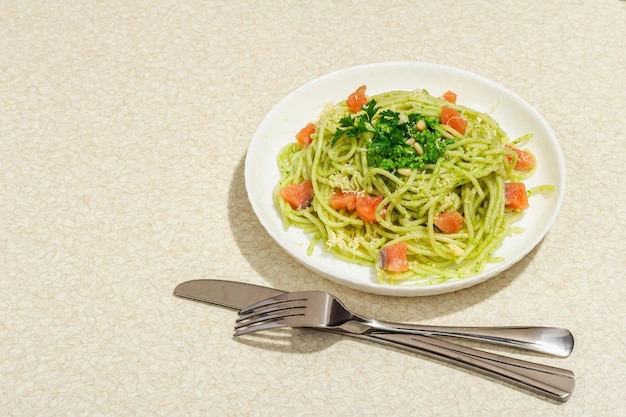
column 268, row 314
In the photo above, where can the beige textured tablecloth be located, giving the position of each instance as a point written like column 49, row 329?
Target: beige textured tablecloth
column 123, row 131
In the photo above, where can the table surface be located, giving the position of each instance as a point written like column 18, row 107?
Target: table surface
column 124, row 128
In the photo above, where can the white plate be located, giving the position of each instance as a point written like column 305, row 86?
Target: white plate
column 514, row 114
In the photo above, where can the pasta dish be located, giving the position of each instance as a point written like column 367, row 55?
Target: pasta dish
column 418, row 186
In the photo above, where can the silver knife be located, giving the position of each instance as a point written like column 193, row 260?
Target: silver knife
column 555, row 383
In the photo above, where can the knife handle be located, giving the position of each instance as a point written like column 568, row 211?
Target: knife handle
column 555, row 383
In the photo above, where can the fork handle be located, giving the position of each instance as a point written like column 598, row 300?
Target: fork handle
column 555, row 383
column 551, row 340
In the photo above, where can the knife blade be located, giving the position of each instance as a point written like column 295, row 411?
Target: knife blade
column 555, row 383
column 231, row 294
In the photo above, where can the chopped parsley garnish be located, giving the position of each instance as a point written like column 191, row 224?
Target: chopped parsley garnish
column 392, row 137
column 354, row 126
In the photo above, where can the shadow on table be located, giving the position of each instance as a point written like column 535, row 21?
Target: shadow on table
column 281, row 271
column 301, row 341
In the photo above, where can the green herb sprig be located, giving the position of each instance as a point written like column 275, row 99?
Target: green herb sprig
column 392, row 136
column 354, row 126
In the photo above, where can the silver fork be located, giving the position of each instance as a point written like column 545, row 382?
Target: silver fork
column 319, row 309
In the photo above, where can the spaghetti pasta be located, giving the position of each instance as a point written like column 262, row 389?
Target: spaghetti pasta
column 399, row 150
